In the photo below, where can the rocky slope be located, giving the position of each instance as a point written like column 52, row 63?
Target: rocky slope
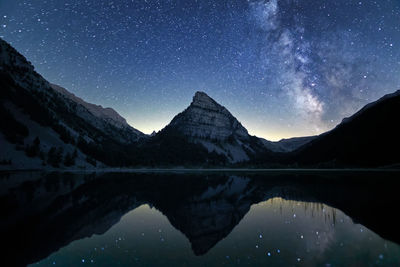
column 107, row 114
column 36, row 117
column 210, row 124
column 207, row 119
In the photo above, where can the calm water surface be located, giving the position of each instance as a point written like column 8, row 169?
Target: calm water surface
column 273, row 219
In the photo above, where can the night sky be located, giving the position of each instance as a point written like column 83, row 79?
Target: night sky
column 283, row 67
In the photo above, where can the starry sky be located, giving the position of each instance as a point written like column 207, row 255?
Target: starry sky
column 284, row 68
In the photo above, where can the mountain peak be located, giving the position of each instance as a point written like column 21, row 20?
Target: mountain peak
column 207, row 119
column 200, row 95
column 202, row 100
column 109, row 114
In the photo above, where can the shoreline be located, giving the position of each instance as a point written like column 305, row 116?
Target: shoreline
column 200, row 170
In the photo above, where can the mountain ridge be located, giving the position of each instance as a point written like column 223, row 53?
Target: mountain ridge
column 205, row 134
column 367, row 138
column 106, row 113
column 31, row 107
column 210, row 124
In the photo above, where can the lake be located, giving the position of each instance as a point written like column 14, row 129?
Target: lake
column 276, row 218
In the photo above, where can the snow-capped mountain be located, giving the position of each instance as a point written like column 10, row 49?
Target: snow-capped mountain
column 37, row 116
column 210, row 124
column 207, row 119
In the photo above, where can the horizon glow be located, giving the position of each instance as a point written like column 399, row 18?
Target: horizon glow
column 282, row 68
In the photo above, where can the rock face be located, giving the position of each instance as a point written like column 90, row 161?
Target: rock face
column 22, row 73
column 108, row 114
column 210, row 124
column 207, row 119
column 31, row 108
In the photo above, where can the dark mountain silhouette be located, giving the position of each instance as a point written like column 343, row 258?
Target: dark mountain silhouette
column 214, row 130
column 369, row 138
column 32, row 109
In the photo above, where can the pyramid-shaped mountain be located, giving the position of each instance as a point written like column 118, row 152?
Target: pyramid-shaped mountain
column 207, row 119
column 44, row 125
column 211, row 125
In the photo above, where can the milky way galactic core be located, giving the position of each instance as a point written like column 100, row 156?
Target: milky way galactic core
column 283, row 67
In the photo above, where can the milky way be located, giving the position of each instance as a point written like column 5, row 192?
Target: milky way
column 282, row 67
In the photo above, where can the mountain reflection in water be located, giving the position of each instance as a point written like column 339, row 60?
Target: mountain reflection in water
column 270, row 218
